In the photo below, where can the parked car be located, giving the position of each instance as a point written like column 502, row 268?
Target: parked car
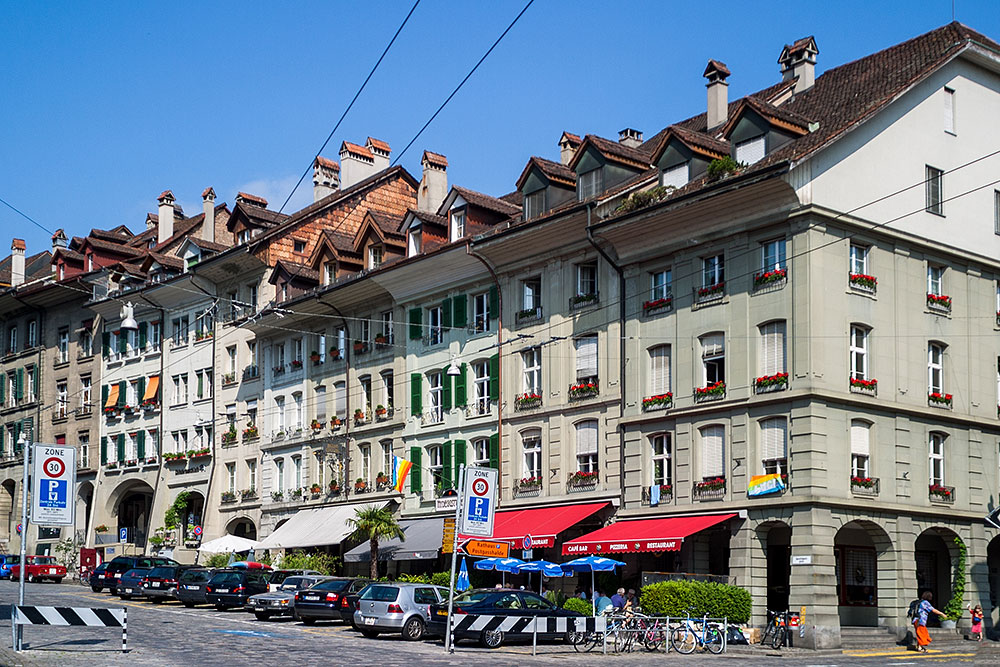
column 323, row 599
column 39, row 568
column 6, row 562
column 348, row 605
column 122, row 564
column 496, row 602
column 133, row 583
column 97, row 578
column 231, row 588
column 282, row 601
column 161, row 582
column 277, row 577
column 191, row 586
column 397, row 607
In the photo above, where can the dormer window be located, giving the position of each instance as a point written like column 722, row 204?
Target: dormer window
column 676, row 176
column 457, row 225
column 414, row 241
column 589, row 184
column 374, row 257
column 192, row 260
column 534, row 204
column 243, row 236
column 151, row 244
column 750, row 151
column 298, row 246
column 329, row 273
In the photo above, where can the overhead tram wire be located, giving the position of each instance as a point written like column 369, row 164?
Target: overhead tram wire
column 25, row 216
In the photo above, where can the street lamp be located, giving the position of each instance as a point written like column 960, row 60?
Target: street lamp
column 454, row 369
column 128, row 320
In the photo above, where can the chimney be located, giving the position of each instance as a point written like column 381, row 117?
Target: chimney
column 208, row 204
column 356, row 164
column 326, row 177
column 629, row 137
column 16, row 262
column 434, row 183
column 165, row 215
column 568, row 143
column 718, row 94
column 58, row 240
column 250, row 200
column 798, row 61
column 380, row 152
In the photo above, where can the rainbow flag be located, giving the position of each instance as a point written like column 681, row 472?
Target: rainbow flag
column 400, row 469
column 761, row 485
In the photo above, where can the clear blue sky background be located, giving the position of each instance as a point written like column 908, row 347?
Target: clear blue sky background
column 104, row 105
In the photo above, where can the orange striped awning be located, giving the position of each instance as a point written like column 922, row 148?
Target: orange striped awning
column 112, row 396
column 152, row 388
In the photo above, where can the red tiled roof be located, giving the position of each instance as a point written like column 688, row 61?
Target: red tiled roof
column 485, row 201
column 354, row 149
column 36, row 266
column 612, row 150
column 515, row 198
column 554, row 171
column 17, row 244
column 436, row 159
column 573, row 139
column 296, row 270
column 716, row 66
column 327, row 162
column 379, row 144
column 252, row 199
column 778, row 116
column 208, row 191
column 166, row 194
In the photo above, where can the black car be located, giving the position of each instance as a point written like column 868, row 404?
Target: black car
column 495, row 602
column 232, row 588
column 349, row 605
column 161, row 582
column 97, row 578
column 323, row 599
column 191, row 586
column 132, row 583
column 121, row 564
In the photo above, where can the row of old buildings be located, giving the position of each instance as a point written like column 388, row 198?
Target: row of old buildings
column 803, row 282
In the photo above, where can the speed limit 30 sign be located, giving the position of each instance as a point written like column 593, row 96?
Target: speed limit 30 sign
column 52, row 486
column 479, row 504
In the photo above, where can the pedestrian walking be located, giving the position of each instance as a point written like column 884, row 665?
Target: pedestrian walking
column 924, row 609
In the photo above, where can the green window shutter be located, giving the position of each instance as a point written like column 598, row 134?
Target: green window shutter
column 122, row 342
column 121, row 447
column 141, row 391
column 495, row 451
column 3, row 389
column 17, row 437
column 106, row 338
column 416, row 322
column 461, row 390
column 104, row 395
column 495, row 377
column 142, row 335
column 122, row 393
column 445, row 389
column 459, row 306
column 140, row 444
column 3, row 431
column 35, row 377
column 201, row 385
column 494, row 302
column 446, row 315
column 416, row 394
column 459, row 459
column 19, row 384
column 446, row 464
column 104, row 450
column 417, row 472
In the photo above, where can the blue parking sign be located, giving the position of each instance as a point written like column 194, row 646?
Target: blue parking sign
column 53, row 493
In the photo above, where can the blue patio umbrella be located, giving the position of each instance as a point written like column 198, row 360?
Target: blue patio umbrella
column 592, row 564
column 547, row 569
column 462, row 583
column 501, row 565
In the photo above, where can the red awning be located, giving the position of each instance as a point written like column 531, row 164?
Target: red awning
column 543, row 524
column 664, row 534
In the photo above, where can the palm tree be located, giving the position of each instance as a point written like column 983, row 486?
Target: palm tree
column 374, row 524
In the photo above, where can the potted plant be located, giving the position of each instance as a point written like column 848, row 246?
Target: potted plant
column 380, row 339
column 863, row 482
column 229, row 437
column 768, row 277
column 250, row 432
column 359, row 346
column 939, row 301
column 296, row 364
column 660, row 401
column 315, row 489
column 334, row 487
column 943, row 492
column 359, row 415
column 382, row 480
column 335, row 423
column 248, row 494
column 101, row 529
column 380, row 411
column 314, row 357
column 278, row 370
column 335, row 353
column 711, row 290
column 199, row 453
column 297, row 493
column 771, row 381
column 316, row 425
column 277, row 496
column 229, row 496
column 939, row 398
column 360, row 485
column 657, row 304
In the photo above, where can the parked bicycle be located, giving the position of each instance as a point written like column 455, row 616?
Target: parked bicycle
column 698, row 633
column 776, row 630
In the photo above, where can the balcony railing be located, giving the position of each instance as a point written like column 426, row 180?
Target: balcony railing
column 710, row 293
column 251, row 372
column 580, row 482
column 432, row 417
column 478, row 409
column 712, row 392
column 666, row 494
column 527, row 488
column 584, row 300
column 938, row 493
column 584, row 389
column 713, row 489
column 527, row 402
column 528, row 315
column 864, row 486
column 773, row 279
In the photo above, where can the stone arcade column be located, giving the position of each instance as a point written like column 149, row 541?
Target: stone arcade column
column 814, row 585
column 748, row 567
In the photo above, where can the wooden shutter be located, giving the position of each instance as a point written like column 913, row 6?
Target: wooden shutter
column 495, row 451
column 140, row 389
column 445, row 389
column 3, row 388
column 416, row 394
column 461, row 388
column 860, row 438
column 773, row 348
column 122, row 342
column 659, row 369
column 459, row 309
column 34, row 382
column 121, row 447
column 773, row 439
column 416, row 323
column 122, row 393
column 104, row 450
column 446, row 315
column 494, row 302
column 586, row 437
column 106, row 340
column 104, row 395
column 713, row 451
column 459, row 460
column 3, row 432
column 495, row 377
column 140, row 444
column 19, row 384
column 417, row 471
column 446, row 465
column 143, row 327
column 586, row 356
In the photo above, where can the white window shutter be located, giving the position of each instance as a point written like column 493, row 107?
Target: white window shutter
column 949, row 110
column 773, row 348
column 659, row 358
column 713, row 451
column 860, row 443
column 676, row 176
column 712, row 345
column 586, row 356
column 340, row 400
column 586, row 437
column 751, row 150
column 773, row 439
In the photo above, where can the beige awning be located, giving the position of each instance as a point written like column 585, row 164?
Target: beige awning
column 316, row 527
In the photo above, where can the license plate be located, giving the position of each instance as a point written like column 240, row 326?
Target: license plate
column 369, row 621
column 191, row 588
column 52, row 570
column 221, row 590
column 310, row 597
column 442, row 612
column 155, row 584
column 100, row 576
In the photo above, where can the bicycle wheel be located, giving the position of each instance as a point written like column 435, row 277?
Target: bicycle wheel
column 768, row 631
column 654, row 637
column 715, row 641
column 684, row 640
column 778, row 640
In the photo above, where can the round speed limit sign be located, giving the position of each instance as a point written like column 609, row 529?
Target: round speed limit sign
column 54, row 467
column 480, row 487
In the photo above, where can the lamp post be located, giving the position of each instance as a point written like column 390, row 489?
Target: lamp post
column 25, row 485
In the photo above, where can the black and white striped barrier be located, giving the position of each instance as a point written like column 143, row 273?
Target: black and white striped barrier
column 524, row 624
column 78, row 616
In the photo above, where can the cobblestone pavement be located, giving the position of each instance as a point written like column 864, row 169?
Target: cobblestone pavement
column 169, row 634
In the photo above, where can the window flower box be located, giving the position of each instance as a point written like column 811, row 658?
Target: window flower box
column 316, row 426
column 314, row 357
column 939, row 302
column 528, row 315
column 709, row 489
column 939, row 399
column 173, row 457
column 381, row 413
column 229, row 496
column 150, row 460
column 336, row 423
column 278, row 370
column 657, row 305
column 250, row 433
column 766, row 383
column 203, row 335
column 199, row 453
column 528, row 486
column 863, row 282
column 360, row 348
column 583, row 390
column 315, row 490
column 334, row 354
column 940, row 493
column 860, row 385
column 666, row 494
column 229, row 437
column 865, row 486
column 111, row 412
column 101, row 529
column 334, row 489
column 583, row 479
column 296, row 364
column 132, row 463
column 150, row 404
column 710, row 292
column 359, row 417
column 658, row 402
column 382, row 481
column 277, row 496
column 712, row 392
column 766, row 278
column 296, row 494
column 248, row 494
column 527, row 401
column 360, row 485
column 229, row 378
column 583, row 300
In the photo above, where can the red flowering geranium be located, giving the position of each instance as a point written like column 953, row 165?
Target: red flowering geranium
column 583, row 389
column 942, row 300
column 937, row 397
column 653, row 304
column 864, row 384
column 657, row 401
column 771, row 380
column 716, row 389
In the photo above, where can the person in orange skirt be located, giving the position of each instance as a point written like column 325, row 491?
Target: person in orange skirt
column 924, row 610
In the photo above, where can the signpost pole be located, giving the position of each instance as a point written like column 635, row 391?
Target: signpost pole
column 449, row 645
column 25, row 485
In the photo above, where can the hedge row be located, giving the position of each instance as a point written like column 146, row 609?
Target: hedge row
column 676, row 598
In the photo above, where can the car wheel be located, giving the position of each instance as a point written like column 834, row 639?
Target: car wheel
column 96, row 589
column 308, row 620
column 125, row 597
column 189, row 605
column 221, row 607
column 413, row 629
column 57, row 581
column 30, row 578
column 491, row 638
column 370, row 634
column 262, row 615
column 156, row 600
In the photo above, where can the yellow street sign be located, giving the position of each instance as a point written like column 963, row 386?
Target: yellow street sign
column 448, row 535
column 486, row 548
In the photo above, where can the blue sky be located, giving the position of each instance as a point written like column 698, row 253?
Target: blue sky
column 107, row 104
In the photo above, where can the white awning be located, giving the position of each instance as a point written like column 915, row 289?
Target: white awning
column 227, row 544
column 316, row 527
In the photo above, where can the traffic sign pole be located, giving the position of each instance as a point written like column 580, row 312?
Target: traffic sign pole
column 25, row 485
column 449, row 644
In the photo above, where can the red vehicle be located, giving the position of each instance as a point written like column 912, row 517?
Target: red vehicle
column 39, row 569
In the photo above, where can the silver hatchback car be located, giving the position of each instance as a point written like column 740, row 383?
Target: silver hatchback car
column 397, row 607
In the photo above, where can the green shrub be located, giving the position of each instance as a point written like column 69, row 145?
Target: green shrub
column 582, row 606
column 644, row 198
column 723, row 166
column 954, row 609
column 675, row 598
column 556, row 597
column 217, row 560
column 321, row 562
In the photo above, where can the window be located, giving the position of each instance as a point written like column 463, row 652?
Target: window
column 996, row 211
column 11, row 389
column 586, row 446
column 676, row 176
column 365, row 461
column 279, row 475
column 534, row 204
column 154, row 441
column 374, row 257
column 586, row 279
column 11, row 340
column 155, row 334
column 661, row 286
column 340, row 399
column 713, row 271
column 30, row 380
column 772, row 348
column 481, row 387
column 859, row 352
column 659, row 370
column 131, row 448
column 859, row 259
column 131, row 343
column 934, row 183
column 279, row 356
column 202, row 436
column 935, row 368
column 936, row 458
column 329, row 273
column 243, row 236
column 388, row 390
column 435, row 330
column 180, row 389
column 365, row 332
column 457, row 225
column 365, row 381
column 252, row 474
column 230, row 415
column 949, row 110
column 860, row 448
column 231, row 356
column 86, row 393
column 387, row 329
column 298, row 246
column 85, row 343
column 180, row 326
column 84, row 440
column 935, row 279
column 62, row 400
column 481, row 312
column 531, row 293
column 713, row 444
column 435, row 464
column 414, row 241
column 662, row 450
column 297, row 350
column 531, row 448
column 774, row 446
column 279, row 413
column 231, row 477
column 751, row 150
column 341, row 335
column 31, row 340
column 319, row 397
column 297, row 416
column 297, row 470
column 132, row 397
column 532, row 376
column 204, row 384
column 481, row 453
column 713, row 358
column 252, row 412
column 180, row 439
column 252, row 291
column 586, row 358
column 434, row 382
column 773, row 255
column 589, row 184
